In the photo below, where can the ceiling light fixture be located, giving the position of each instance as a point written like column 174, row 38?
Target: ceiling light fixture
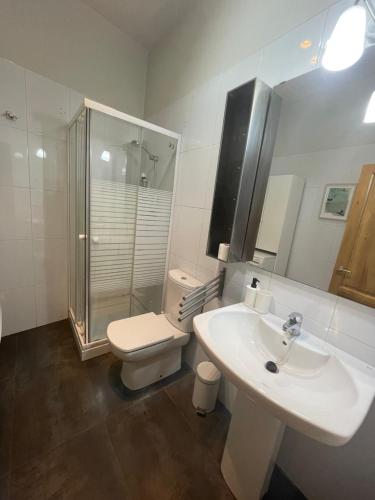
column 305, row 44
column 347, row 42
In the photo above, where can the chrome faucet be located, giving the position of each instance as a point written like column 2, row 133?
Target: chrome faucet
column 292, row 327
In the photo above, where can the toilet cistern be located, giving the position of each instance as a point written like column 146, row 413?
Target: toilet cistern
column 292, row 327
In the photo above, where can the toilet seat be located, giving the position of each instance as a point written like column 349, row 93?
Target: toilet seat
column 141, row 332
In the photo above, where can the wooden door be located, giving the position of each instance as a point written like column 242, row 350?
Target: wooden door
column 354, row 274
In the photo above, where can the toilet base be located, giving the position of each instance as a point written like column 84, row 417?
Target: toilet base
column 140, row 374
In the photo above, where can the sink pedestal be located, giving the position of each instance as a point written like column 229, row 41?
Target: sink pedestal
column 251, row 449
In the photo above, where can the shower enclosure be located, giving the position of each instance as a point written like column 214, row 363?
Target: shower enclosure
column 121, row 184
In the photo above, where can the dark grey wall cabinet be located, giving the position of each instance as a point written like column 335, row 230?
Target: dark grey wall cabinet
column 248, row 137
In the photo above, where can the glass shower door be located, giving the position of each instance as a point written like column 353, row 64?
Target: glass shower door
column 158, row 159
column 114, row 182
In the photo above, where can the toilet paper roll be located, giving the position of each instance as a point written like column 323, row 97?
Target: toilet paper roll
column 223, row 252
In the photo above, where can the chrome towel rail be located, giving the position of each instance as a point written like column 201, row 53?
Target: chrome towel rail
column 201, row 296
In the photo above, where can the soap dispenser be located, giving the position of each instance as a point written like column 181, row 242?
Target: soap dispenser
column 251, row 293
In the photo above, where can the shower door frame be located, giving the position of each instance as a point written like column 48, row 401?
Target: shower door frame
column 96, row 348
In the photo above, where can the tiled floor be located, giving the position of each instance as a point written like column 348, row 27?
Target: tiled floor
column 70, row 430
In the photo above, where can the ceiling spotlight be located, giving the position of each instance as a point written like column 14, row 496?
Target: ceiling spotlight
column 305, row 44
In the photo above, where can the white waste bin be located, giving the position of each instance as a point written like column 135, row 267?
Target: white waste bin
column 206, row 386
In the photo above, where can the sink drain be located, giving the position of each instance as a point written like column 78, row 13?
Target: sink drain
column 271, row 367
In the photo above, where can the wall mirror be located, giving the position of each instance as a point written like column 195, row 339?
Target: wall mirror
column 318, row 218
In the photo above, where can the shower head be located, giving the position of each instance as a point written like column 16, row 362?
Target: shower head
column 151, row 156
column 135, row 142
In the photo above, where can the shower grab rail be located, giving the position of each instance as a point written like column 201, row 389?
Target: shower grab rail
column 201, row 296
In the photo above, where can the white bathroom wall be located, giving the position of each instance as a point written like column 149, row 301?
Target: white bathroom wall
column 72, row 44
column 33, row 197
column 192, row 103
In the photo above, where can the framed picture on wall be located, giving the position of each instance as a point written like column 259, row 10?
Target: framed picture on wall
column 336, row 201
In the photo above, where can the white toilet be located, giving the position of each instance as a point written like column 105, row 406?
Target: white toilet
column 150, row 344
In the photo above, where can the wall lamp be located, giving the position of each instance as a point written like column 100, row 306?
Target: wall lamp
column 347, row 41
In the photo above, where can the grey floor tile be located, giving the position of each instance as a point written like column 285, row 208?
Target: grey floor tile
column 211, row 430
column 83, row 468
column 160, row 456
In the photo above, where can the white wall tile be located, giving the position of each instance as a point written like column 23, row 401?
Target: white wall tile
column 51, row 302
column 355, row 320
column 16, row 264
column 48, row 163
column 12, row 93
column 193, row 171
column 18, row 306
column 15, row 213
column 47, row 106
column 310, row 302
column 14, row 170
column 43, row 106
column 202, row 120
column 49, row 214
column 352, row 346
column 237, row 272
column 207, row 266
column 186, row 232
column 49, row 258
column 233, row 292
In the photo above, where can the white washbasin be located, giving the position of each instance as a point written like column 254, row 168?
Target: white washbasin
column 319, row 390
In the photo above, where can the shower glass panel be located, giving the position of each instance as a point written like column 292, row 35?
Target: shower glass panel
column 77, row 223
column 114, row 178
column 121, row 179
column 158, row 156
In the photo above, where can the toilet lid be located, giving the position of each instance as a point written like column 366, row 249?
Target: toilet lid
column 136, row 333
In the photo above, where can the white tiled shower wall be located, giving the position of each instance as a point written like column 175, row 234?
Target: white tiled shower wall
column 198, row 116
column 33, row 197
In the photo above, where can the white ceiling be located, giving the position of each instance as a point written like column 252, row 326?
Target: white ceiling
column 147, row 21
